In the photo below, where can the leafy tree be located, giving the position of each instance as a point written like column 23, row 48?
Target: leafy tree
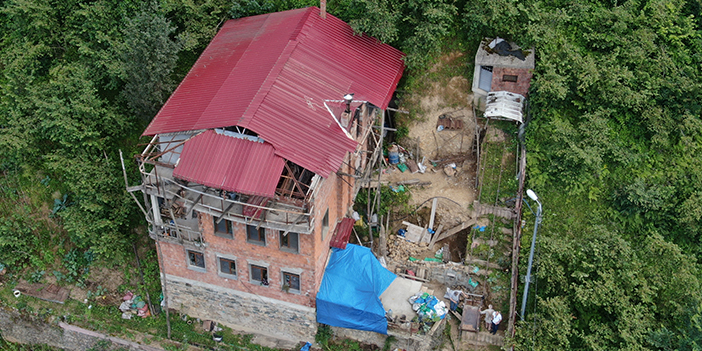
column 148, row 57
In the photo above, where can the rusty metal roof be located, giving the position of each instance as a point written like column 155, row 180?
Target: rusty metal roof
column 271, row 74
column 342, row 233
column 229, row 163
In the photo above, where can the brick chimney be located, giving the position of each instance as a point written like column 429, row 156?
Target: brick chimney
column 323, row 8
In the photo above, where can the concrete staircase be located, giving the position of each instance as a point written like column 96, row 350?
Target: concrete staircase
column 481, row 338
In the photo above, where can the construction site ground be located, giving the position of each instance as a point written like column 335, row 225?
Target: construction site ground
column 451, row 162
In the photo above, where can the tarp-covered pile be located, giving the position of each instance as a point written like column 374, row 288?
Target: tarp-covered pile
column 428, row 307
column 349, row 296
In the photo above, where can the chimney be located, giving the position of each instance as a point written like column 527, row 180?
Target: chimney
column 323, row 8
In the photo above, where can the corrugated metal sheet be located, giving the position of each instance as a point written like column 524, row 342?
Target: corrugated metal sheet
column 342, row 233
column 271, row 73
column 229, row 163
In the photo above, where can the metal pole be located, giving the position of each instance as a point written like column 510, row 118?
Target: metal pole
column 531, row 259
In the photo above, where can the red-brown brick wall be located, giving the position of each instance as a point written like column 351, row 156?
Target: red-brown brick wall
column 311, row 259
column 521, row 86
column 333, row 193
column 175, row 262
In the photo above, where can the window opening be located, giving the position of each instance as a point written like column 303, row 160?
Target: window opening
column 289, row 242
column 291, row 281
column 196, row 259
column 259, row 275
column 256, row 235
column 224, row 228
column 227, row 266
column 325, row 224
column 509, row 78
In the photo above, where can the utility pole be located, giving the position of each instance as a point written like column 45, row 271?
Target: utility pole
column 527, row 279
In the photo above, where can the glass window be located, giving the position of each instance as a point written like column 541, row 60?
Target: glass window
column 224, row 228
column 291, row 281
column 256, row 236
column 259, row 274
column 289, row 242
column 227, row 266
column 196, row 259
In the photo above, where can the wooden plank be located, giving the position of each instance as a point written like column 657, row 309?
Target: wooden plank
column 433, row 213
column 132, row 189
column 414, row 232
column 374, row 183
column 412, row 277
column 456, row 229
column 436, row 235
column 436, row 326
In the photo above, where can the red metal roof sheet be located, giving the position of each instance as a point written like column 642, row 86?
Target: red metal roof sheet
column 229, row 163
column 271, row 74
column 342, row 233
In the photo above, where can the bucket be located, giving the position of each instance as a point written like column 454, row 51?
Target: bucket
column 394, row 157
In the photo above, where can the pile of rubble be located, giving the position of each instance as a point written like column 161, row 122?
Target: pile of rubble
column 401, row 250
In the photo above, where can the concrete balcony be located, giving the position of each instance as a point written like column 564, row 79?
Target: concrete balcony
column 181, row 198
column 181, row 231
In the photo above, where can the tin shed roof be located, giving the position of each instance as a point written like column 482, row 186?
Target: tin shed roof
column 272, row 73
column 229, row 163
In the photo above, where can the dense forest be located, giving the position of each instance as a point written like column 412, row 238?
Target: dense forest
column 614, row 139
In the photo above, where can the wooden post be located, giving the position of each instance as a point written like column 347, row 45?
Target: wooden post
column 433, row 213
column 515, row 246
column 141, row 274
column 163, row 285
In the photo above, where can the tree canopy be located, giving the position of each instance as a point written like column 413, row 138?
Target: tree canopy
column 613, row 150
column 614, row 138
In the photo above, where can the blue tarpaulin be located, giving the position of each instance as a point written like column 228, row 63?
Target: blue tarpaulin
column 349, row 296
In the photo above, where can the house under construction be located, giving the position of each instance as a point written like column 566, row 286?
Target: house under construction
column 253, row 166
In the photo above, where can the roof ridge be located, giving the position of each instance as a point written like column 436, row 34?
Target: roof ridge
column 304, row 22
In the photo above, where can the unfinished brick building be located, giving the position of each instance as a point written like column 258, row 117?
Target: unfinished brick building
column 253, row 164
column 501, row 66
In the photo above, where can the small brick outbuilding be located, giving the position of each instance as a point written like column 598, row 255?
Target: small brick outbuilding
column 501, row 66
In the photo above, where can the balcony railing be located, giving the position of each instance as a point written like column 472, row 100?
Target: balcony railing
column 281, row 213
column 177, row 234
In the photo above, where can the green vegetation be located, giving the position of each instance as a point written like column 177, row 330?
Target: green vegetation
column 390, row 198
column 614, row 145
column 614, row 149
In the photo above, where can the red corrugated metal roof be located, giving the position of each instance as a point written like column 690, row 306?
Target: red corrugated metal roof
column 229, row 163
column 342, row 233
column 271, row 74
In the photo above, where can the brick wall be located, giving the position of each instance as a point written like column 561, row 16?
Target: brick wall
column 325, row 198
column 521, row 86
column 333, row 194
column 245, row 253
column 309, row 262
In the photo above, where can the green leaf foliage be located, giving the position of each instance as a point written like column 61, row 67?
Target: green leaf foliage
column 613, row 150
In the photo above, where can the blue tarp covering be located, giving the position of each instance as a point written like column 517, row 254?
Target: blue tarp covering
column 349, row 296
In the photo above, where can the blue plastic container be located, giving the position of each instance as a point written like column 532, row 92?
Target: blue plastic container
column 394, row 157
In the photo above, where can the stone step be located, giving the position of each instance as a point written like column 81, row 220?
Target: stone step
column 482, row 338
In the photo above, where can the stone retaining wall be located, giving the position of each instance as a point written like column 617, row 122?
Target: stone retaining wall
column 448, row 274
column 242, row 311
column 26, row 330
column 403, row 340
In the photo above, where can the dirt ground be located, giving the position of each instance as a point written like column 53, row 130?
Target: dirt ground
column 455, row 193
